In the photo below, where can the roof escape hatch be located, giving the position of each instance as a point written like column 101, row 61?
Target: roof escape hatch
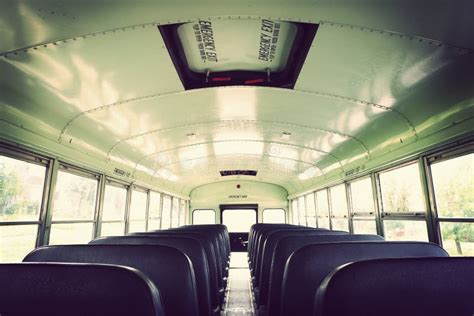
column 238, row 52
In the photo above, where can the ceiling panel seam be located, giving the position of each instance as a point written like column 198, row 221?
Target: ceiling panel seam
column 114, row 104
column 420, row 39
column 160, row 95
column 238, row 17
column 114, row 146
column 78, row 37
column 379, row 106
column 239, row 154
column 237, row 140
column 244, row 154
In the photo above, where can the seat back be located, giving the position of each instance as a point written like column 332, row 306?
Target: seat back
column 76, row 289
column 307, row 267
column 264, row 260
column 256, row 237
column 207, row 293
column 168, row 268
column 392, row 287
column 209, row 248
column 271, row 286
column 262, row 236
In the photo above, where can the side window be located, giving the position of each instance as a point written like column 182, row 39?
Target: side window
column 175, row 213
column 182, row 212
column 339, row 214
column 154, row 214
column 204, row 217
column 113, row 214
column 322, row 208
column 453, row 182
column 138, row 210
column 294, row 211
column 166, row 212
column 73, row 211
column 274, row 215
column 310, row 210
column 21, row 192
column 402, row 195
column 301, row 211
column 363, row 207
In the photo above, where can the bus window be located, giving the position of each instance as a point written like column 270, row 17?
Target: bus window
column 166, row 212
column 175, row 213
column 322, row 209
column 453, row 182
column 182, row 212
column 138, row 205
column 20, row 201
column 402, row 195
column 301, row 211
column 274, row 215
column 339, row 212
column 363, row 208
column 294, row 211
column 154, row 216
column 238, row 220
column 113, row 214
column 310, row 210
column 204, row 217
column 73, row 209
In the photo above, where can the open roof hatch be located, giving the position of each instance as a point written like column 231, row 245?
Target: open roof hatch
column 238, row 52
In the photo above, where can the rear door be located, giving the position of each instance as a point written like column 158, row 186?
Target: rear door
column 238, row 219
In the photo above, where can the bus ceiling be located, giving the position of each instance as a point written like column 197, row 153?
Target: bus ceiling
column 171, row 93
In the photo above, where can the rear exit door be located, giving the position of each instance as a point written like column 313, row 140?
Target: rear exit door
column 238, row 219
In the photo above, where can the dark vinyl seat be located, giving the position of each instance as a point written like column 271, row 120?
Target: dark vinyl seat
column 271, row 285
column 209, row 248
column 263, row 261
column 76, row 289
column 221, row 229
column 392, row 287
column 208, row 294
column 254, row 229
column 260, row 238
column 219, row 234
column 168, row 268
column 307, row 267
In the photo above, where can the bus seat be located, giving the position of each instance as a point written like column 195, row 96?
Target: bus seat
column 169, row 269
column 307, row 267
column 392, row 287
column 208, row 294
column 264, row 260
column 57, row 289
column 271, row 286
column 209, row 248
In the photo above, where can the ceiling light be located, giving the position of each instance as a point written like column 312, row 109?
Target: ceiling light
column 285, row 135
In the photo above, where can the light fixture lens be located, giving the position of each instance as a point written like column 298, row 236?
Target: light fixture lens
column 285, row 135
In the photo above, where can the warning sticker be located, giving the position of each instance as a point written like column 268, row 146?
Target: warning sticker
column 237, row 45
column 268, row 40
column 205, row 40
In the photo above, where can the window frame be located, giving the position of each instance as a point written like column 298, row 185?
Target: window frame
column 332, row 216
column 118, row 184
column 147, row 204
column 435, row 157
column 203, row 209
column 273, row 208
column 39, row 160
column 160, row 205
column 81, row 172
